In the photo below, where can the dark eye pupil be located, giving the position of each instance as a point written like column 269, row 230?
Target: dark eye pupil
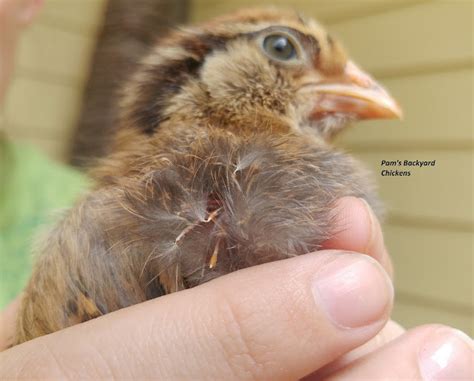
column 281, row 44
column 279, row 47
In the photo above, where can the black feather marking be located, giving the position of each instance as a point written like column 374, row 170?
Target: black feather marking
column 166, row 80
column 71, row 307
column 154, row 290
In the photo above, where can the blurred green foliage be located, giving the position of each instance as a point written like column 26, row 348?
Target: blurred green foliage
column 33, row 190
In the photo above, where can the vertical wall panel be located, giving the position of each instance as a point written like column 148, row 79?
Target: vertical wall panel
column 53, row 62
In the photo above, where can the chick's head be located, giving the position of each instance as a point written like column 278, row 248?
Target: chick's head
column 254, row 70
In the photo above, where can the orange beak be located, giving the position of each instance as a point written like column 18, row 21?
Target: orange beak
column 357, row 94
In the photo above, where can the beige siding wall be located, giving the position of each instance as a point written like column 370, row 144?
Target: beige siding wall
column 53, row 62
column 423, row 52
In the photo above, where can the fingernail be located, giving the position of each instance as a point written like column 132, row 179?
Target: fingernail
column 448, row 355
column 354, row 290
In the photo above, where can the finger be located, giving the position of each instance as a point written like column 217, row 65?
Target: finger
column 20, row 11
column 358, row 229
column 7, row 323
column 391, row 331
column 276, row 321
column 14, row 15
column 426, row 353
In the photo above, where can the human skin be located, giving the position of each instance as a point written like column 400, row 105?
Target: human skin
column 272, row 321
column 14, row 16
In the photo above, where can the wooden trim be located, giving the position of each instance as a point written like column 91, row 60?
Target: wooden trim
column 372, row 10
column 422, row 70
column 409, row 146
column 453, row 307
column 42, row 76
column 447, row 224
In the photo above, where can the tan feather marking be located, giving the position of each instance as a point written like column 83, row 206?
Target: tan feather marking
column 213, row 260
column 87, row 306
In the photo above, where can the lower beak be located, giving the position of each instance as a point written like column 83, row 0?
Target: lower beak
column 357, row 94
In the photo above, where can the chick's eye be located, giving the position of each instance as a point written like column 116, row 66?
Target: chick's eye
column 279, row 47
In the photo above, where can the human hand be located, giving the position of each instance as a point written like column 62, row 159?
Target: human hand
column 14, row 16
column 282, row 320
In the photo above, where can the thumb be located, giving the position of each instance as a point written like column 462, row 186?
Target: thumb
column 277, row 321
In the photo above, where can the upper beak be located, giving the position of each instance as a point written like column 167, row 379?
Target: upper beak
column 355, row 93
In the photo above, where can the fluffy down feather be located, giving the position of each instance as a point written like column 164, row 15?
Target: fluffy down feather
column 244, row 200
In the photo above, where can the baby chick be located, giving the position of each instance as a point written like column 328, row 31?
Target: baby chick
column 223, row 161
